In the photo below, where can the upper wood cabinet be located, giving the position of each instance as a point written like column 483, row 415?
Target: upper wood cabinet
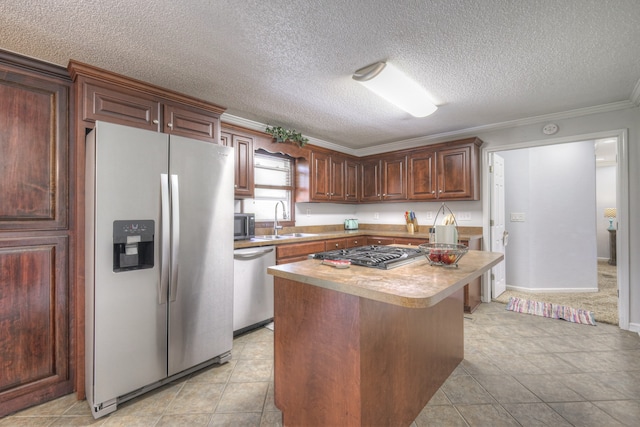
column 445, row 171
column 384, row 179
column 110, row 97
column 327, row 177
column 243, row 147
column 34, row 151
column 351, row 181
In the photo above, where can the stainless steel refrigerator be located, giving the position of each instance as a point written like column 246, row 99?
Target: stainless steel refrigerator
column 159, row 260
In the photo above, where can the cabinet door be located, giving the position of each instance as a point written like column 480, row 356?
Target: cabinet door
column 243, row 146
column 34, row 321
column 119, row 105
column 34, row 141
column 394, row 178
column 375, row 240
column 336, row 172
column 332, row 245
column 351, row 180
column 320, row 176
column 354, row 242
column 370, row 182
column 297, row 251
column 191, row 123
column 422, row 176
column 455, row 172
column 411, row 241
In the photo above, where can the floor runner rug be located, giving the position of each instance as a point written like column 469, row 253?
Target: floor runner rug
column 553, row 311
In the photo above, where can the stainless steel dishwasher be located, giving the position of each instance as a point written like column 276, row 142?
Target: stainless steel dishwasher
column 252, row 288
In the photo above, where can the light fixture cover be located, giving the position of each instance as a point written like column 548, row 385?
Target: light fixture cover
column 390, row 83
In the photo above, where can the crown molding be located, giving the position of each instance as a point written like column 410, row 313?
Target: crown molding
column 442, row 137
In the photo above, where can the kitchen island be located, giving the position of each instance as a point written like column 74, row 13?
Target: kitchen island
column 361, row 346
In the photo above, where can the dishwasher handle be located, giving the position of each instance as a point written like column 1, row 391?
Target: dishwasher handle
column 251, row 255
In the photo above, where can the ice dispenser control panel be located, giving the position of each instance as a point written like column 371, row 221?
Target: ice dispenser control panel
column 133, row 244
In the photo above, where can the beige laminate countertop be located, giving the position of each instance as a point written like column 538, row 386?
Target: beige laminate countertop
column 414, row 285
column 343, row 234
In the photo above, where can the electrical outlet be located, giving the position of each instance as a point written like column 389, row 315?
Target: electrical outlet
column 464, row 216
column 376, row 215
column 308, row 211
column 517, row 217
column 430, row 215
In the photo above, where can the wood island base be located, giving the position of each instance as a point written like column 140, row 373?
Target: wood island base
column 344, row 360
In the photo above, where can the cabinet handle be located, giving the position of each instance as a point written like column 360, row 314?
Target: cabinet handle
column 433, row 192
column 155, row 121
column 384, row 195
column 440, row 191
column 170, row 125
column 337, row 245
column 235, row 186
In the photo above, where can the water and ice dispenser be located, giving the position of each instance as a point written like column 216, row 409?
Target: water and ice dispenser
column 133, row 244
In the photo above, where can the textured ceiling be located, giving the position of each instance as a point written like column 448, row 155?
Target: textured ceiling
column 290, row 62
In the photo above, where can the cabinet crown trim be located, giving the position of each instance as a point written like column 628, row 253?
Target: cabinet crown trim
column 77, row 68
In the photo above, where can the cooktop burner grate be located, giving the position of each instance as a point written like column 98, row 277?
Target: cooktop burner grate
column 383, row 257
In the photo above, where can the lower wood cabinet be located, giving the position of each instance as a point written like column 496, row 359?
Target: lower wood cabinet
column 376, row 240
column 473, row 290
column 297, row 251
column 34, row 321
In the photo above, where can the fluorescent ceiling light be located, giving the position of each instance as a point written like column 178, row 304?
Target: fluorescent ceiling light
column 390, row 83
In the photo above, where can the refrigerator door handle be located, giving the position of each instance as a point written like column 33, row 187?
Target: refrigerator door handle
column 175, row 236
column 165, row 222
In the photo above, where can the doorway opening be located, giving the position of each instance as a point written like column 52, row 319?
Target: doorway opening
column 618, row 199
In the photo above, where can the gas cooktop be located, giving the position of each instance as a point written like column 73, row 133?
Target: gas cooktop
column 383, row 257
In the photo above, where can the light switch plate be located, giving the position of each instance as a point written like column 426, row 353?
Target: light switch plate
column 517, row 217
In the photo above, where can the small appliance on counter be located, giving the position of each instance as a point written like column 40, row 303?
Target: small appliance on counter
column 350, row 224
column 244, row 226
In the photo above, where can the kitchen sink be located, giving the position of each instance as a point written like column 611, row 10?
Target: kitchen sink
column 283, row 236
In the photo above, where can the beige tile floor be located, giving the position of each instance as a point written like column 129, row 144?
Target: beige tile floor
column 518, row 370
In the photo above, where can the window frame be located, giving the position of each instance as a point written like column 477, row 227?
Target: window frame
column 290, row 222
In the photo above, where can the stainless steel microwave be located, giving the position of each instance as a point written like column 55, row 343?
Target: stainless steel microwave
column 244, row 226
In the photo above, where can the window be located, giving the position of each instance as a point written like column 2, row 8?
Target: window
column 273, row 179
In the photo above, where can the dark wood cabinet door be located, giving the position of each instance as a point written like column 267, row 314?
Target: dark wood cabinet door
column 356, row 241
column 119, row 105
column 332, row 245
column 34, row 144
column 351, row 181
column 411, row 241
column 191, row 123
column 377, row 240
column 370, row 181
column 455, row 172
column 320, row 176
column 243, row 146
column 394, row 178
column 34, row 321
column 422, row 176
column 336, row 173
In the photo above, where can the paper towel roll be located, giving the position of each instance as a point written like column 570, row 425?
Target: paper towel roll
column 446, row 234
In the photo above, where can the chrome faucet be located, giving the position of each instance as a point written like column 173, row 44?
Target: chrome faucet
column 277, row 227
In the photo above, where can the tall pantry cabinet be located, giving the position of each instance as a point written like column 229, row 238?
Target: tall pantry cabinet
column 36, row 230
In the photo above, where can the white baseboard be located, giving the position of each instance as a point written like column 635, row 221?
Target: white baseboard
column 550, row 290
column 634, row 327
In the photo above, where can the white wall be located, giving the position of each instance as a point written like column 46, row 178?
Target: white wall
column 385, row 213
column 554, row 249
column 605, row 198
